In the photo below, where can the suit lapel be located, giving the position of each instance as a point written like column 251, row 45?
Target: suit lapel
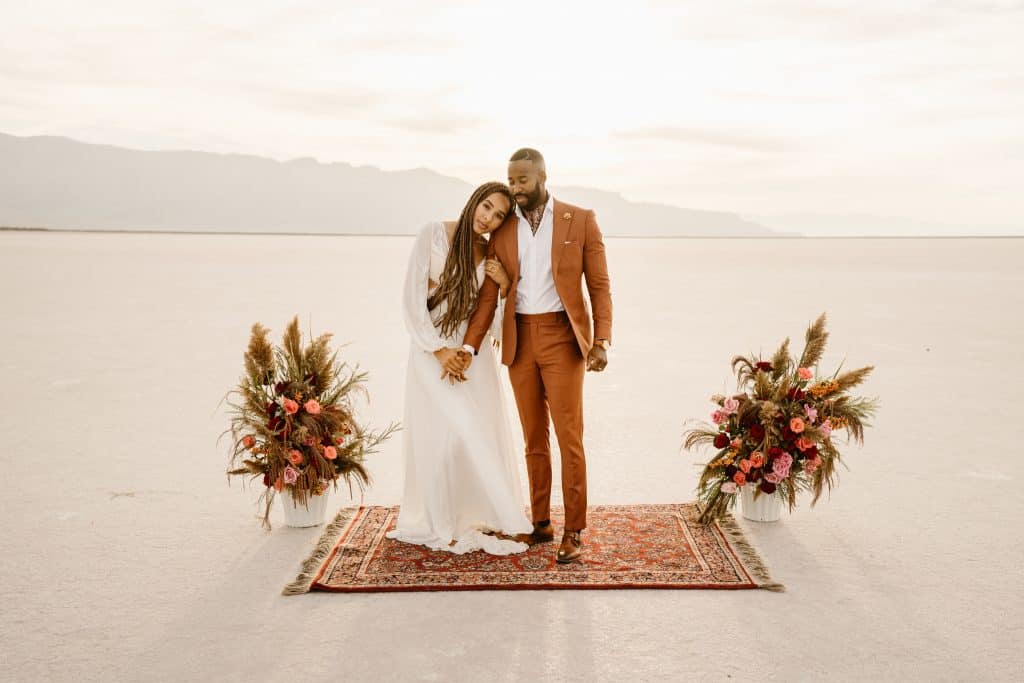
column 560, row 233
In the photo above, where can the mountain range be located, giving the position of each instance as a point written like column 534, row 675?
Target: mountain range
column 59, row 183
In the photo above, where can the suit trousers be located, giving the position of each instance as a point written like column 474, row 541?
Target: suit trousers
column 547, row 380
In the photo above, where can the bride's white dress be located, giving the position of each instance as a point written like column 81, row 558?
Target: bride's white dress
column 461, row 476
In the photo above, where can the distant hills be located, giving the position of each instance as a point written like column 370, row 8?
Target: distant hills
column 59, row 183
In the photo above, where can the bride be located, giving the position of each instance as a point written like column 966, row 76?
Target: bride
column 461, row 480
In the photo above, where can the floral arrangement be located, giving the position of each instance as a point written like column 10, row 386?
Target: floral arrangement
column 778, row 435
column 292, row 419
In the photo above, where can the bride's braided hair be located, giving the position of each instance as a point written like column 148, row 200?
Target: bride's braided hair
column 458, row 279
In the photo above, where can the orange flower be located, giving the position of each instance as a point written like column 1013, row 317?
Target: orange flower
column 739, row 478
column 803, row 443
column 291, row 407
column 797, row 425
column 278, row 484
column 248, row 441
column 330, row 452
column 312, row 407
column 295, row 457
column 756, row 459
column 745, row 465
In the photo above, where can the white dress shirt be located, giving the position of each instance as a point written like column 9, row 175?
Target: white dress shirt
column 536, row 291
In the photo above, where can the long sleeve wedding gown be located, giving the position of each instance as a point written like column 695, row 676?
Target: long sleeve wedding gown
column 461, row 477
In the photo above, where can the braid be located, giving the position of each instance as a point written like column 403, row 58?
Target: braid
column 458, row 279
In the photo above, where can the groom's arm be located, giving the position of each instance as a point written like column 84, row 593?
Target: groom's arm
column 595, row 268
column 483, row 314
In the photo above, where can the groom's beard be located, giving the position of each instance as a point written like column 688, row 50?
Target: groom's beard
column 533, row 199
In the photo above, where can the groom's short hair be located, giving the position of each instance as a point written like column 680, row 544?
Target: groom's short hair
column 528, row 154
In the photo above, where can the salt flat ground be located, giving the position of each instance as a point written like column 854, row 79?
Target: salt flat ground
column 127, row 556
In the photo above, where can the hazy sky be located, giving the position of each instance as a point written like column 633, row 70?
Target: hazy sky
column 911, row 109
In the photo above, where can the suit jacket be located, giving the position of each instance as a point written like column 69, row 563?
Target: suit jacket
column 577, row 251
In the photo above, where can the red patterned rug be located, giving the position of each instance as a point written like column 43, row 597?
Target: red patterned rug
column 625, row 546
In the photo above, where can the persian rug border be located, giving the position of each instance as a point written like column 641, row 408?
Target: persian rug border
column 328, row 544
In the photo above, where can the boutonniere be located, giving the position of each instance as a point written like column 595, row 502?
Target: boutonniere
column 567, row 216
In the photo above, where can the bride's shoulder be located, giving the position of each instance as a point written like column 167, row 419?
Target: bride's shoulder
column 430, row 229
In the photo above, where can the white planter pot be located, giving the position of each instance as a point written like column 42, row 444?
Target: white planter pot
column 766, row 508
column 310, row 513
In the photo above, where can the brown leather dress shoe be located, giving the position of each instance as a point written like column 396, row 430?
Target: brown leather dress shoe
column 541, row 534
column 571, row 548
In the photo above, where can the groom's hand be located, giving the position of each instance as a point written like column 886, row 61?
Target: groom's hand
column 597, row 360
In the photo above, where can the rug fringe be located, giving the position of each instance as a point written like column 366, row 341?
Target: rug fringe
column 748, row 554
column 323, row 548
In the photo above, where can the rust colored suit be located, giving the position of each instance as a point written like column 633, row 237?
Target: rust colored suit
column 546, row 353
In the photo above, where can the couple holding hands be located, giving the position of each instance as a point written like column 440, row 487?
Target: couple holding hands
column 512, row 267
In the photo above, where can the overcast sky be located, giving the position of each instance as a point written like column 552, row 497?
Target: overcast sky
column 912, row 109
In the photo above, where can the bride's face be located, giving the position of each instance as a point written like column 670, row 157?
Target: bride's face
column 490, row 213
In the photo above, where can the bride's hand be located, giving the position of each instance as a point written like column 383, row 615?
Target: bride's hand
column 452, row 364
column 497, row 272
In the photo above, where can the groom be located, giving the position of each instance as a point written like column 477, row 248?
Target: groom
column 548, row 340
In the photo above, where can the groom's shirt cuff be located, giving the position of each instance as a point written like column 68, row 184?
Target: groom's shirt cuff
column 469, row 349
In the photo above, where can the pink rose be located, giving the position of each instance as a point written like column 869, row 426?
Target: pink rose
column 772, row 478
column 745, row 466
column 731, row 405
column 782, row 464
column 719, row 417
column 295, row 457
column 826, row 427
column 330, row 452
column 312, row 407
column 728, row 487
column 811, row 412
column 291, row 475
column 291, row 407
column 803, row 443
column 812, row 464
column 739, row 478
column 757, row 459
column 248, row 441
column 805, row 373
column 797, row 425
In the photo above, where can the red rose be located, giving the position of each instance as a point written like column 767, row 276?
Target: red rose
column 271, row 409
column 774, row 452
column 787, row 433
column 754, row 475
column 731, row 470
column 757, row 432
column 811, row 452
column 764, row 365
column 721, row 440
column 266, row 480
column 767, row 487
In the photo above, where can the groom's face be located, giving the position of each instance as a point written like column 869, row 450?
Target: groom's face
column 527, row 182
